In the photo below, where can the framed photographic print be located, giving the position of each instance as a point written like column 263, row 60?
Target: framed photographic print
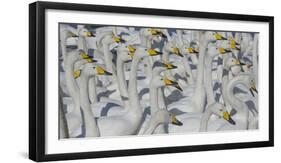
column 111, row 81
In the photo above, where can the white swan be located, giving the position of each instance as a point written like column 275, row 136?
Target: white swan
column 156, row 84
column 161, row 117
column 212, row 52
column 194, row 122
column 82, row 34
column 124, row 53
column 72, row 87
column 242, row 116
column 89, row 70
column 129, row 122
column 106, row 41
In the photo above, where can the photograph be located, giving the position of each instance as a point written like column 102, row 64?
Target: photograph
column 148, row 81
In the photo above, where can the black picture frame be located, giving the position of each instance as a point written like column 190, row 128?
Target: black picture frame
column 37, row 80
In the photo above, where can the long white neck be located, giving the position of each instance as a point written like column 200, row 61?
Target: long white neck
column 153, row 94
column 165, row 55
column 199, row 95
column 208, row 80
column 204, row 120
column 93, row 90
column 122, row 82
column 133, row 92
column 82, row 43
column 89, row 120
column 108, row 59
column 240, row 106
column 225, row 78
column 255, row 59
column 153, row 124
column 70, row 81
column 63, row 47
column 187, row 68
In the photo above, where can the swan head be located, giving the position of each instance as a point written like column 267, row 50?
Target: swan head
column 164, row 116
column 91, row 69
column 253, row 87
column 142, row 52
column 221, row 50
column 219, row 110
column 117, row 39
column 191, row 50
column 156, row 32
column 161, row 81
column 236, row 66
column 159, row 66
column 233, row 44
column 85, row 56
column 85, row 33
column 171, row 48
column 125, row 52
column 212, row 36
column 176, row 51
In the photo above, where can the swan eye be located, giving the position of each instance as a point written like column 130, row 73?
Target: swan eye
column 220, row 109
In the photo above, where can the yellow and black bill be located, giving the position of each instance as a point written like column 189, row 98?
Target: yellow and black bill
column 90, row 34
column 253, row 89
column 71, row 34
column 153, row 52
column 170, row 66
column 219, row 36
column 175, row 121
column 102, row 71
column 227, row 117
column 177, row 51
column 172, row 83
column 118, row 39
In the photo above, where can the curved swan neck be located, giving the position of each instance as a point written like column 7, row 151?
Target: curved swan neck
column 240, row 106
column 89, row 120
column 70, row 81
column 108, row 59
column 186, row 65
column 204, row 119
column 153, row 124
column 82, row 43
column 153, row 91
column 208, row 80
column 122, row 81
column 133, row 92
column 93, row 89
column 165, row 55
column 199, row 94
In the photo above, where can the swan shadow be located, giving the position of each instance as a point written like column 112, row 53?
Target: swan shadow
column 252, row 107
column 143, row 92
column 176, row 111
column 106, row 93
column 174, row 97
column 107, row 107
column 237, row 90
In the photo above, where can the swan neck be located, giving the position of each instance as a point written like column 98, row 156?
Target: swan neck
column 208, row 79
column 153, row 99
column 122, row 81
column 204, row 120
column 82, row 43
column 108, row 59
column 239, row 105
column 133, row 92
column 89, row 120
column 152, row 125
